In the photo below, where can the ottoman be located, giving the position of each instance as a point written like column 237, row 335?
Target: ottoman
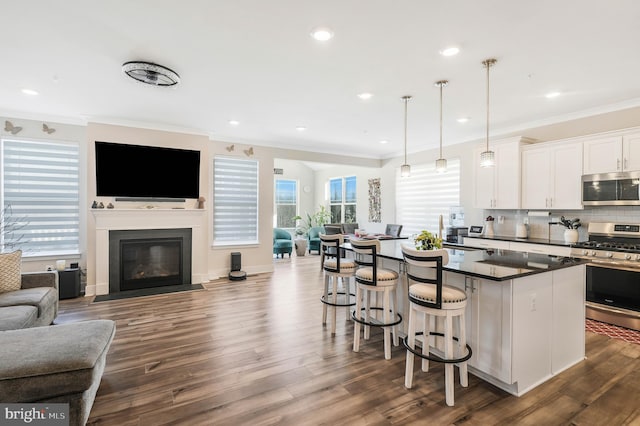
column 55, row 364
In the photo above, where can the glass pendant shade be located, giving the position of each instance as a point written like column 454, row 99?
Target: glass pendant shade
column 487, row 159
column 405, row 170
column 441, row 165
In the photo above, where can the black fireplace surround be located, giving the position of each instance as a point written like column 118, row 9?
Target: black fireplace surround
column 145, row 258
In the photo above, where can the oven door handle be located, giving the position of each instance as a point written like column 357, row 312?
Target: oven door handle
column 614, row 265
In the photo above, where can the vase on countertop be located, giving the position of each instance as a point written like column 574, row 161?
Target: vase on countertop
column 488, row 228
column 570, row 236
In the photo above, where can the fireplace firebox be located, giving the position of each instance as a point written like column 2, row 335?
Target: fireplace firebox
column 145, row 258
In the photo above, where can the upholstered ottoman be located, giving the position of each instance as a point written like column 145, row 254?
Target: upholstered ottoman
column 55, row 364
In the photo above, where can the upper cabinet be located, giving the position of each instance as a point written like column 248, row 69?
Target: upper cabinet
column 612, row 154
column 498, row 187
column 551, row 177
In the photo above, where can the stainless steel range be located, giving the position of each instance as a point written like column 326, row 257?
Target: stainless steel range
column 613, row 275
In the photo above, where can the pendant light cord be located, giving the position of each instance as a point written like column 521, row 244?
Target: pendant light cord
column 406, row 101
column 488, row 63
column 441, row 84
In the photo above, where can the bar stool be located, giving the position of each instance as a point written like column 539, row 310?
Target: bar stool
column 371, row 279
column 428, row 295
column 335, row 268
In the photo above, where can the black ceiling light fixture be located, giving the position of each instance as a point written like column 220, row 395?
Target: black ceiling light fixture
column 150, row 73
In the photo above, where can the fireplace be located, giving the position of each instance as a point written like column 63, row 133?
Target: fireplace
column 144, row 258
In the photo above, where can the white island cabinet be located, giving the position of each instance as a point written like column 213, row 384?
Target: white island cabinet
column 525, row 330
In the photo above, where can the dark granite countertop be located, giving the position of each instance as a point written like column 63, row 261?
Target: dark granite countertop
column 491, row 264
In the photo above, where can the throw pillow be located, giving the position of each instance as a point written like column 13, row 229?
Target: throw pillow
column 10, row 274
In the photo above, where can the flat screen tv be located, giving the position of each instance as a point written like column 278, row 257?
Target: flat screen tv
column 136, row 171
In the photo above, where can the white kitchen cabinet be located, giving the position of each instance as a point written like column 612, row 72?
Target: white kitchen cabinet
column 498, row 187
column 551, row 177
column 612, row 154
column 488, row 323
column 526, row 330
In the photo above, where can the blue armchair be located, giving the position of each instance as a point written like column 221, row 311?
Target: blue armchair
column 282, row 242
column 313, row 238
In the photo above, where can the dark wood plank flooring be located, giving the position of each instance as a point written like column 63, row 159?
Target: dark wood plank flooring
column 255, row 352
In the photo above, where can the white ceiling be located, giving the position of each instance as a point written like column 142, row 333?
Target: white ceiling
column 253, row 61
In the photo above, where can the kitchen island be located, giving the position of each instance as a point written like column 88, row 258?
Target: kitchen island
column 525, row 311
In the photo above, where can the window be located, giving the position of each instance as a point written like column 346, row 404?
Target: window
column 286, row 203
column 425, row 195
column 342, row 199
column 235, row 198
column 40, row 197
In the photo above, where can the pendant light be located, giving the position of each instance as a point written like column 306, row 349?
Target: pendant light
column 488, row 158
column 441, row 163
column 405, row 169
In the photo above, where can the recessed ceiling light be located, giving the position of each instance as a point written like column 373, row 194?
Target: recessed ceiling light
column 384, row 141
column 234, row 122
column 462, row 119
column 450, row 51
column 301, row 128
column 365, row 96
column 29, row 92
column 551, row 95
column 322, row 34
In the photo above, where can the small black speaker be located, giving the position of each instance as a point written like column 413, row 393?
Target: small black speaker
column 236, row 261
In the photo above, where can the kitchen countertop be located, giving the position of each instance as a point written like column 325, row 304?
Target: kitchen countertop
column 491, row 264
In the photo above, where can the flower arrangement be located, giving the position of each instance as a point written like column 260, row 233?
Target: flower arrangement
column 427, row 241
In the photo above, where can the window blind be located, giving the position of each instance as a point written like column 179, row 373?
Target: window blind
column 425, row 195
column 286, row 202
column 235, row 195
column 40, row 197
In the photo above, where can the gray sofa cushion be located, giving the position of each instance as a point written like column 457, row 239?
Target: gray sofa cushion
column 16, row 317
column 43, row 298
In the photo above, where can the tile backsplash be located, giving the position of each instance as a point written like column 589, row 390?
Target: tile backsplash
column 539, row 226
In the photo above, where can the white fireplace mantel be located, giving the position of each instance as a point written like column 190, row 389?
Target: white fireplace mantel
column 156, row 218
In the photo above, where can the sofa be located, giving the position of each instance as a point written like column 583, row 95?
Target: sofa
column 33, row 304
column 43, row 363
column 282, row 242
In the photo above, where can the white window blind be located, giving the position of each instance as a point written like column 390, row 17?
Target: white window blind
column 235, row 195
column 40, row 197
column 425, row 195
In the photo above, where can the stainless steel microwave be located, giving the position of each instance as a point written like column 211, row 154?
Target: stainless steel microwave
column 611, row 189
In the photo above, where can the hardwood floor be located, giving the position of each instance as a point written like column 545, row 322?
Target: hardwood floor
column 255, row 352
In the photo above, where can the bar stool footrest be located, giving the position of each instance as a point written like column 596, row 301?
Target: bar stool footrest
column 376, row 324
column 339, row 304
column 433, row 357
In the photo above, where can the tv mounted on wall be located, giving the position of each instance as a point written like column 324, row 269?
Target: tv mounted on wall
column 147, row 172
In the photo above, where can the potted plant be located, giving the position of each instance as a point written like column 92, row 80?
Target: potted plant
column 319, row 218
column 571, row 231
column 427, row 241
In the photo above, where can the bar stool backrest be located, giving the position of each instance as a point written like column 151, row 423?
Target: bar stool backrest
column 425, row 267
column 330, row 246
column 366, row 252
